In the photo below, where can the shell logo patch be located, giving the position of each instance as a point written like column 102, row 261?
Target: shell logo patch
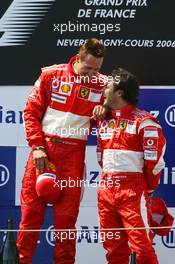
column 65, row 88
column 111, row 124
column 107, row 129
column 122, row 125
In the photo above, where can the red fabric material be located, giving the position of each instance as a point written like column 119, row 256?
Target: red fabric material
column 122, row 137
column 65, row 158
column 122, row 140
column 40, row 98
column 120, row 207
column 47, row 189
column 56, row 95
column 160, row 216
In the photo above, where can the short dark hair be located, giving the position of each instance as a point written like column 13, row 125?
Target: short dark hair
column 128, row 83
column 92, row 46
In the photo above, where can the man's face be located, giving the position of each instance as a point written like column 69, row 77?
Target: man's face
column 89, row 66
column 112, row 99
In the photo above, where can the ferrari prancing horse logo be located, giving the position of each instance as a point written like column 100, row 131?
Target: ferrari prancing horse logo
column 83, row 92
column 122, row 125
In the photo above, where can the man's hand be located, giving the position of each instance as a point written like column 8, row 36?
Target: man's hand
column 99, row 112
column 40, row 159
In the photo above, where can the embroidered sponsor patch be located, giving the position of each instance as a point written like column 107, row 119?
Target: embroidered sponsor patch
column 105, row 124
column 89, row 94
column 150, row 155
column 55, row 85
column 122, row 124
column 112, row 124
column 150, row 143
column 117, row 113
column 58, row 98
column 84, row 93
column 107, row 129
column 105, row 136
column 131, row 127
column 95, row 96
column 65, row 88
column 34, row 93
column 150, row 132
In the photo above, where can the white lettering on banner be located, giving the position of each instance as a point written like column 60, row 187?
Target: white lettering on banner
column 170, row 115
column 50, row 236
column 168, row 176
column 103, row 2
column 10, row 116
column 4, row 175
column 136, row 2
column 70, row 42
column 84, row 13
column 169, row 241
column 103, row 29
column 21, row 19
column 103, row 13
column 13, row 100
column 115, row 2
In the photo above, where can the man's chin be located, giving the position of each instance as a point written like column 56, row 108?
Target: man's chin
column 106, row 104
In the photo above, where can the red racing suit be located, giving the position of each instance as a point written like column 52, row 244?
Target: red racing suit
column 130, row 150
column 57, row 117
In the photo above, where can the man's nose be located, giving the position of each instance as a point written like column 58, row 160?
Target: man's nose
column 92, row 73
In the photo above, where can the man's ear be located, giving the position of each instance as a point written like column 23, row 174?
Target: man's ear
column 120, row 93
column 78, row 58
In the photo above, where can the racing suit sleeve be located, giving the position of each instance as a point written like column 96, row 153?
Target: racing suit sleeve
column 154, row 144
column 35, row 108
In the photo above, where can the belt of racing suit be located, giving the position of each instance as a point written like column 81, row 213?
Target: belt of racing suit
column 68, row 141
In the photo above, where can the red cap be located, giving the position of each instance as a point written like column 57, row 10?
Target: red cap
column 47, row 186
column 160, row 216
